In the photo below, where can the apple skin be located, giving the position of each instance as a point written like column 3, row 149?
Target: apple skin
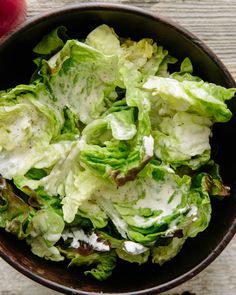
column 12, row 13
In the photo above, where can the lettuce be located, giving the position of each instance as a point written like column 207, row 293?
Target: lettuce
column 46, row 229
column 82, row 79
column 15, row 214
column 106, row 153
column 162, row 254
column 103, row 263
column 199, row 97
column 183, row 140
column 52, row 42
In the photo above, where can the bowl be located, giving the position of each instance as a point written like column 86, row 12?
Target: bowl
column 16, row 67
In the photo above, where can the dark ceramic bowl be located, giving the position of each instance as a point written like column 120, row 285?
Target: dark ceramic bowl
column 16, row 67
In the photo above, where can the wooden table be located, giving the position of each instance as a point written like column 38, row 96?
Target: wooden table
column 214, row 22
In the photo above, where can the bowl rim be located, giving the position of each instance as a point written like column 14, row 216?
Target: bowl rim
column 230, row 81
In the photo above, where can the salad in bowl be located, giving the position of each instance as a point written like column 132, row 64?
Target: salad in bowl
column 106, row 153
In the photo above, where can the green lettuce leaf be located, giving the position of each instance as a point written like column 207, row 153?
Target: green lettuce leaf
column 133, row 252
column 159, row 205
column 82, row 79
column 46, row 229
column 145, row 206
column 83, row 186
column 120, row 124
column 90, row 210
column 139, row 52
column 161, row 254
column 52, row 42
column 109, row 155
column 65, row 180
column 29, row 122
column 185, row 72
column 183, row 140
column 104, row 39
column 199, row 97
column 104, row 262
column 70, row 130
column 15, row 214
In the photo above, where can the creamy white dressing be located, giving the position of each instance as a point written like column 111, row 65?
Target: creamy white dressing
column 128, row 192
column 17, row 162
column 78, row 235
column 21, row 130
column 134, row 248
column 148, row 143
column 183, row 210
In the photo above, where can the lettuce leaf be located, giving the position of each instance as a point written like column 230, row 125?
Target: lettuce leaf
column 162, row 254
column 183, row 140
column 104, row 39
column 104, row 262
column 109, row 152
column 52, row 42
column 46, row 229
column 82, row 79
column 199, row 97
column 15, row 214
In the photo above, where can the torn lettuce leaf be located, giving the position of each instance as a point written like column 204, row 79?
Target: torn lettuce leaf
column 162, row 254
column 52, row 42
column 15, row 214
column 102, row 263
column 80, row 191
column 133, row 258
column 183, row 139
column 199, row 97
column 152, row 206
column 109, row 155
column 104, row 39
column 29, row 122
column 46, row 229
column 82, row 79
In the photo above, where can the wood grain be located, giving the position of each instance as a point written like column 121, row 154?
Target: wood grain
column 214, row 22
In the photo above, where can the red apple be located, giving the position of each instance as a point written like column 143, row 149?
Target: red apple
column 12, row 13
